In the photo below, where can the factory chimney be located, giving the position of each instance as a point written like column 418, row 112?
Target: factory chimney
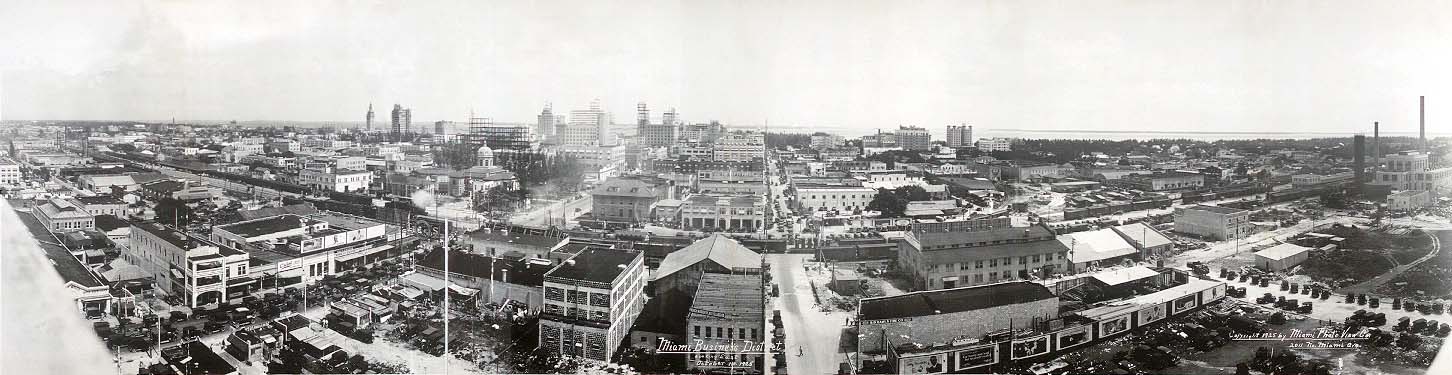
column 1359, row 159
column 1376, row 145
column 1422, row 122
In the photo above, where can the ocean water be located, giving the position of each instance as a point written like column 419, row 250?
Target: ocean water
column 1117, row 135
column 938, row 132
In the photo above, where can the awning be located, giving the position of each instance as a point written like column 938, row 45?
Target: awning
column 469, row 292
column 410, row 292
column 424, row 282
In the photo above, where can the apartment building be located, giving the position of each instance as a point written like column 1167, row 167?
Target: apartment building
column 960, row 136
column 914, row 138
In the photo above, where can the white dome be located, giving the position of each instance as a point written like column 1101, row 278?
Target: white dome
column 484, row 150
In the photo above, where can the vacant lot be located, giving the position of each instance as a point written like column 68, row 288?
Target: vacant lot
column 1432, row 278
column 1363, row 255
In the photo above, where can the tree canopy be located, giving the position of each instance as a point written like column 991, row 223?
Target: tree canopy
column 893, row 202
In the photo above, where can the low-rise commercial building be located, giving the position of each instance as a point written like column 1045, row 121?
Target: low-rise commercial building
column 1213, row 222
column 826, row 197
column 591, row 301
column 198, row 270
column 728, row 317
column 723, row 212
column 339, row 180
column 626, row 199
column 61, row 215
column 943, row 260
column 1408, row 200
column 499, row 281
column 1096, row 248
column 943, row 316
column 9, row 172
column 1165, row 181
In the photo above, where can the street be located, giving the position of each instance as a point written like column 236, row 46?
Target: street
column 809, row 329
column 551, row 213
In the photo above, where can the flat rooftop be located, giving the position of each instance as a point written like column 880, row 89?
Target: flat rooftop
column 270, row 225
column 948, row 301
column 516, row 238
column 728, row 297
column 67, row 265
column 1215, row 209
column 596, row 265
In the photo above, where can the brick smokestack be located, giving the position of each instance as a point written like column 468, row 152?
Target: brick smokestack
column 1359, row 158
column 1376, row 144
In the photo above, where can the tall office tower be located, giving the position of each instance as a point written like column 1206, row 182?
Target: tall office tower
column 669, row 117
column 588, row 127
column 368, row 124
column 960, row 135
column 1422, row 123
column 1358, row 164
column 544, row 125
column 408, row 120
column 502, row 137
column 654, row 135
column 400, row 119
column 441, row 131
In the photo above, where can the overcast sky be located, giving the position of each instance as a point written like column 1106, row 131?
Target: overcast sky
column 1105, row 65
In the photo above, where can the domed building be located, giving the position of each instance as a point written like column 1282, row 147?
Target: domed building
column 484, row 157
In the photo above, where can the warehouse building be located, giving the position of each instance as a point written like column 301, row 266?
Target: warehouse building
column 1281, row 257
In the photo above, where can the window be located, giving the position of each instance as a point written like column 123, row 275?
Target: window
column 993, row 262
column 718, row 332
column 708, row 332
column 697, row 330
column 978, row 264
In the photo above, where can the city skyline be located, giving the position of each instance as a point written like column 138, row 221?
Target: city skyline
column 1190, row 66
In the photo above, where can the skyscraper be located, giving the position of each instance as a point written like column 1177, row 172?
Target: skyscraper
column 960, row 135
column 669, row 117
column 654, row 135
column 368, row 124
column 545, row 124
column 588, row 127
column 402, row 120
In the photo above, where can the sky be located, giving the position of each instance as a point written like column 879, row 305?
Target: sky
column 1312, row 66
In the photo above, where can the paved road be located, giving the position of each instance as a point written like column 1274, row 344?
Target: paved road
column 817, row 333
column 550, row 214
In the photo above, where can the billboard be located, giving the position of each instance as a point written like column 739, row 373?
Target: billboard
column 1184, row 303
column 1152, row 313
column 1030, row 347
column 975, row 357
column 1074, row 336
column 927, row 364
column 1113, row 325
